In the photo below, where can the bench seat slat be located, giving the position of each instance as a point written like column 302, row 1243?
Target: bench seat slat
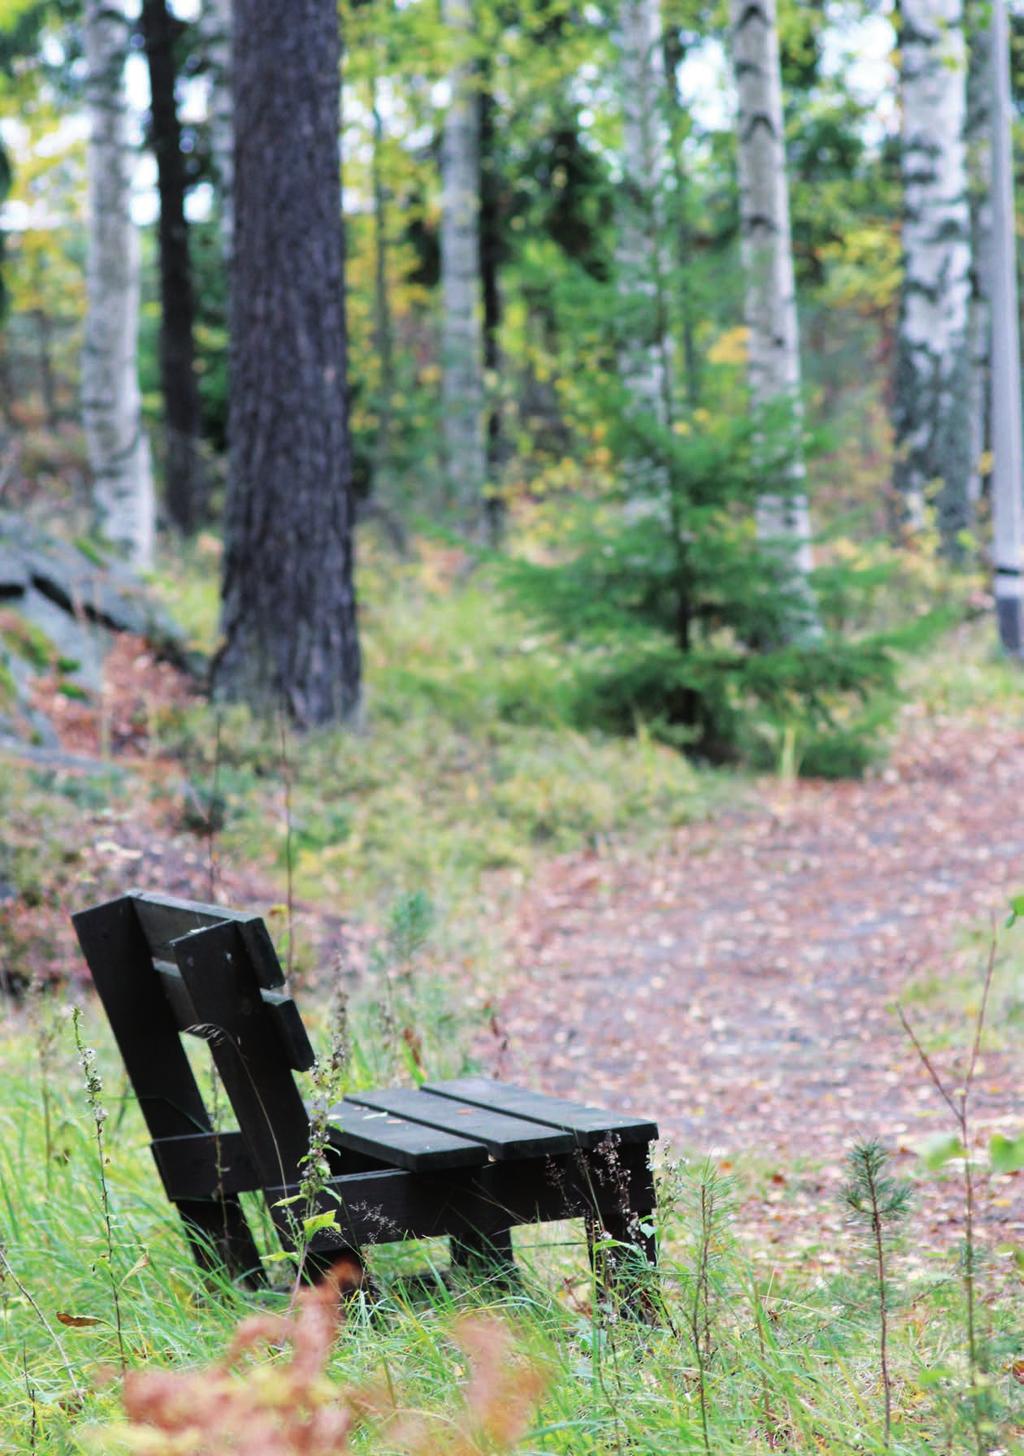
column 501, row 1135
column 589, row 1124
column 403, row 1144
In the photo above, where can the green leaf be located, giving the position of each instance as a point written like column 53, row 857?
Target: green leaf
column 1016, row 909
column 285, row 1202
column 278, row 1258
column 934, row 1376
column 1007, row 1154
column 940, row 1150
column 311, row 1226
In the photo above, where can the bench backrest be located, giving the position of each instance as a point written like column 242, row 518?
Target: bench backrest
column 166, row 967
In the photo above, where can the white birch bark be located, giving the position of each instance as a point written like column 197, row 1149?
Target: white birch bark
column 117, row 445
column 645, row 350
column 979, row 183
column 215, row 22
column 773, row 344
column 462, row 370
column 1008, row 448
column 933, row 433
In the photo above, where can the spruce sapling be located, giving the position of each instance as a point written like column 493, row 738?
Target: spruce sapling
column 878, row 1202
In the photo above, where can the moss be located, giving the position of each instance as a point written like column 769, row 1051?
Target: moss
column 27, row 641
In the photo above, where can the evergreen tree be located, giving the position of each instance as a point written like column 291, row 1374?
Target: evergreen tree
column 289, row 612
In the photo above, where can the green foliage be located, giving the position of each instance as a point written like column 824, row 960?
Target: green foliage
column 689, row 621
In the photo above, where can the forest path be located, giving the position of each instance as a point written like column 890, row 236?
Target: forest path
column 739, row 984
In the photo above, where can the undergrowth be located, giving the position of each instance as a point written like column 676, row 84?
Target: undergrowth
column 739, row 1357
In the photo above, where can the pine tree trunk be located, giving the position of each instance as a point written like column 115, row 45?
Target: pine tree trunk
column 979, row 178
column 462, row 383
column 215, row 23
column 116, row 442
column 932, row 393
column 289, row 614
column 185, row 474
column 767, row 251
column 1008, row 448
column 645, row 351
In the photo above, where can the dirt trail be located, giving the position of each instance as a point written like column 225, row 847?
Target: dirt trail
column 739, row 984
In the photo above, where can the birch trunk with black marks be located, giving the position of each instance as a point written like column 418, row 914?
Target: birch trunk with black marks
column 979, row 186
column 215, row 24
column 185, row 485
column 645, row 347
column 931, row 413
column 1007, row 445
column 289, row 611
column 462, row 373
column 773, row 345
column 118, row 449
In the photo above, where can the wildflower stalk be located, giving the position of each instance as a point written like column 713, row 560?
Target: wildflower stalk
column 958, row 1100
column 94, row 1097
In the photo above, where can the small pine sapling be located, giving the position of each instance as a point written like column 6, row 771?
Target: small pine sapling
column 878, row 1203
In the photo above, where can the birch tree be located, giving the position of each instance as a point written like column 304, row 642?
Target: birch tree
column 462, row 374
column 932, row 394
column 979, row 185
column 1008, row 448
column 645, row 349
column 773, row 345
column 118, row 449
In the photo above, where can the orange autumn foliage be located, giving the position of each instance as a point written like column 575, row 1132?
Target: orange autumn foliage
column 291, row 1408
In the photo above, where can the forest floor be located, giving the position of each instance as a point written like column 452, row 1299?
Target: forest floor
column 736, row 979
column 740, row 983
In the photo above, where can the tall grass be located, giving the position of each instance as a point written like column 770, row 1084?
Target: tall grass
column 734, row 1363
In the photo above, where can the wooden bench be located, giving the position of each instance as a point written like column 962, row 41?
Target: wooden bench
column 469, row 1158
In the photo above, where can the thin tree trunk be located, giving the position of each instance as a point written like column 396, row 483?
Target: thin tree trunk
column 1008, row 466
column 932, row 393
column 767, row 252
column 490, row 259
column 383, row 326
column 673, row 53
column 215, row 23
column 979, row 175
column 289, row 613
column 185, row 474
column 116, row 442
column 462, row 384
column 645, row 351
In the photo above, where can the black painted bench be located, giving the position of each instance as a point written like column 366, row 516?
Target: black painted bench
column 469, row 1158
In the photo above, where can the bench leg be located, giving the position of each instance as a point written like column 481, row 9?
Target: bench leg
column 219, row 1236
column 488, row 1255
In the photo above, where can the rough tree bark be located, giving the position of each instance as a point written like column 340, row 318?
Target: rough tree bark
column 289, row 611
column 462, row 377
column 116, row 442
column 215, row 24
column 645, row 350
column 767, row 250
column 932, row 394
column 184, row 470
